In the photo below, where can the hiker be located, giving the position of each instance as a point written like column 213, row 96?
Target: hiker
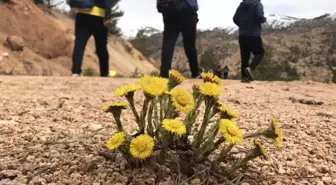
column 91, row 19
column 226, row 72
column 219, row 71
column 179, row 16
column 248, row 17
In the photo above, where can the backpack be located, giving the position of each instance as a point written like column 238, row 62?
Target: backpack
column 81, row 4
column 170, row 6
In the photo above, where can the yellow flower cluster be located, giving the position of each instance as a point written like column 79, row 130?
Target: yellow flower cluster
column 124, row 90
column 277, row 131
column 182, row 100
column 230, row 131
column 260, row 149
column 174, row 126
column 152, row 85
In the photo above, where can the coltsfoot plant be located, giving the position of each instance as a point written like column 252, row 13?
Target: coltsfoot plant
column 170, row 123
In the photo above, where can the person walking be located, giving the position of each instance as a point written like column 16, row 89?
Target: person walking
column 179, row 16
column 92, row 21
column 226, row 72
column 219, row 71
column 248, row 17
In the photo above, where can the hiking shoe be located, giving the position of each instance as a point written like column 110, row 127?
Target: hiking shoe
column 249, row 73
column 75, row 75
column 245, row 80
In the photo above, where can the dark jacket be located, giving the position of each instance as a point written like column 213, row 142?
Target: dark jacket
column 248, row 17
column 107, row 5
column 192, row 5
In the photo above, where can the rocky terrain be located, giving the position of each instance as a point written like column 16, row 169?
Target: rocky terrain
column 305, row 46
column 37, row 41
column 53, row 129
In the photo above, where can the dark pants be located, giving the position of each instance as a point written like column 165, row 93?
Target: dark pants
column 186, row 24
column 226, row 75
column 247, row 45
column 85, row 26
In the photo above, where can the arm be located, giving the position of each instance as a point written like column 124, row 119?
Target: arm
column 236, row 17
column 260, row 13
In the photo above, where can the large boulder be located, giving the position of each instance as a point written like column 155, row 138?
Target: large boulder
column 15, row 43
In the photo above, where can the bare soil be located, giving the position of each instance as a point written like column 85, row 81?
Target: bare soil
column 52, row 129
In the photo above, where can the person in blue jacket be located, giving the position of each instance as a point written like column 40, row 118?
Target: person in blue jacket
column 248, row 17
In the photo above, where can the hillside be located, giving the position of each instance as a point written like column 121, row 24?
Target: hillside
column 48, row 40
column 296, row 48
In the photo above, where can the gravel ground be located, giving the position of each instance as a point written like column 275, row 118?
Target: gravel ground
column 52, row 127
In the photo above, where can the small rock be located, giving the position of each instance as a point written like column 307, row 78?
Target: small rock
column 96, row 183
column 320, row 182
column 327, row 180
column 278, row 183
column 245, row 183
column 75, row 175
column 281, row 170
column 38, row 181
column 5, row 54
column 195, row 181
column 3, row 166
column 15, row 43
column 1, row 58
column 322, row 169
column 9, row 174
column 30, row 158
column 72, row 169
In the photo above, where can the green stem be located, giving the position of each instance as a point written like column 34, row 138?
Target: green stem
column 117, row 119
column 162, row 156
column 150, row 128
column 225, row 152
column 240, row 163
column 143, row 115
column 135, row 113
column 200, row 133
column 215, row 146
column 255, row 134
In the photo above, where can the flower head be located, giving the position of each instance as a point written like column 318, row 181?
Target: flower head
column 176, row 77
column 210, row 77
column 277, row 134
column 226, row 112
column 210, row 89
column 115, row 140
column 230, row 131
column 259, row 149
column 115, row 106
column 174, row 126
column 124, row 90
column 142, row 146
column 152, row 85
column 182, row 100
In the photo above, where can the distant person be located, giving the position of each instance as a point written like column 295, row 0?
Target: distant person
column 92, row 18
column 219, row 71
column 248, row 17
column 179, row 16
column 226, row 72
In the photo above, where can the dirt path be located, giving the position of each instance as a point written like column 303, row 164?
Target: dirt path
column 51, row 128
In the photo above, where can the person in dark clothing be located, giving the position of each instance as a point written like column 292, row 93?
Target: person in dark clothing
column 248, row 17
column 219, row 71
column 226, row 72
column 92, row 22
column 184, row 21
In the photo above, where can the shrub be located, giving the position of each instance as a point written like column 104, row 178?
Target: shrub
column 89, row 72
column 334, row 77
column 168, row 130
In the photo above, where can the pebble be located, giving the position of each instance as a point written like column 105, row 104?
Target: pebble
column 282, row 171
column 327, row 179
column 96, row 183
column 245, row 183
column 195, row 181
column 5, row 54
column 3, row 166
column 75, row 175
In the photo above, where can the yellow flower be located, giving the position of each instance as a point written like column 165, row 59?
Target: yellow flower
column 153, row 85
column 227, row 111
column 142, row 146
column 115, row 106
column 174, row 126
column 210, row 89
column 277, row 131
column 182, row 100
column 260, row 149
column 210, row 77
column 124, row 90
column 115, row 140
column 230, row 131
column 176, row 76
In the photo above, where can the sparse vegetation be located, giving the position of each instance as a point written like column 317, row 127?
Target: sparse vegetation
column 89, row 72
column 209, row 60
column 334, row 77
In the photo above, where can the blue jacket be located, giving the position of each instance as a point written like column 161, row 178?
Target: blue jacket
column 248, row 17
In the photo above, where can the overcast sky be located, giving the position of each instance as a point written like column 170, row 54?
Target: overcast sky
column 218, row 13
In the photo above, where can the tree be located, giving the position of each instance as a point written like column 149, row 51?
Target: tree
column 208, row 60
column 141, row 38
column 116, row 14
